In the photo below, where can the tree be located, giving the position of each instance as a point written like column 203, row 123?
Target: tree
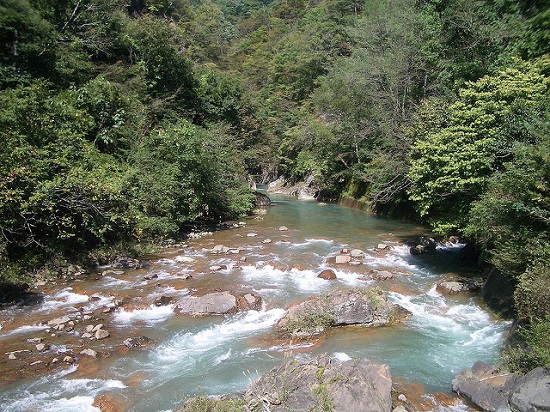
column 451, row 165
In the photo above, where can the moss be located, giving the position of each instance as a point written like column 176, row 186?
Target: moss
column 206, row 404
column 310, row 323
column 324, row 402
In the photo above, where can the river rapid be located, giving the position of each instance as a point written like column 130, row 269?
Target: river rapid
column 222, row 354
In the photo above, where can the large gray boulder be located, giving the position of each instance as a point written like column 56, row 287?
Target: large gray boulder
column 485, row 386
column 218, row 303
column 356, row 385
column 496, row 390
column 531, row 393
column 357, row 306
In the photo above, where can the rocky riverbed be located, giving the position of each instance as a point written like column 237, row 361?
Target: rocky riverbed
column 212, row 315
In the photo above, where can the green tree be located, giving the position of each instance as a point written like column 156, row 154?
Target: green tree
column 451, row 166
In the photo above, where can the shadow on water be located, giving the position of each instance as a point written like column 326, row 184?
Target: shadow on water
column 18, row 294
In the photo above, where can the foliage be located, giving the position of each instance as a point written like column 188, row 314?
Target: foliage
column 451, row 166
column 533, row 351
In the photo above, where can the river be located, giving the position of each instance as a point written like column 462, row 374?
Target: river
column 217, row 355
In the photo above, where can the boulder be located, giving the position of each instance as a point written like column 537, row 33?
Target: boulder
column 101, row 334
column 54, row 323
column 421, row 245
column 89, row 352
column 356, row 253
column 327, row 274
column 125, row 262
column 218, row 303
column 249, row 302
column 357, row 306
column 164, row 301
column 485, row 386
column 451, row 287
column 342, row 259
column 261, row 199
column 356, row 385
column 493, row 389
column 220, row 249
column 137, row 342
column 383, row 275
column 531, row 392
column 498, row 293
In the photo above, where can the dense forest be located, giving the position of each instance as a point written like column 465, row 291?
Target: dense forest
column 123, row 122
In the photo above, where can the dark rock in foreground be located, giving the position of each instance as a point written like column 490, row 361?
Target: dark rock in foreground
column 495, row 390
column 357, row 306
column 357, row 385
column 322, row 384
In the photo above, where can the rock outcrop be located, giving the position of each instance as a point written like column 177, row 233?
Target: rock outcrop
column 357, row 306
column 496, row 390
column 261, row 199
column 324, row 384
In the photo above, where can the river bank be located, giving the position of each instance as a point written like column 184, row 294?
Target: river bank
column 151, row 355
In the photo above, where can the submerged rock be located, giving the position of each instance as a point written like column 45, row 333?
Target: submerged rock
column 357, row 306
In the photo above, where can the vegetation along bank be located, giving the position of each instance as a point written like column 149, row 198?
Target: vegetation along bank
column 123, row 123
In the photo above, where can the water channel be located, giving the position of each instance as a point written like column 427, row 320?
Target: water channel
column 217, row 355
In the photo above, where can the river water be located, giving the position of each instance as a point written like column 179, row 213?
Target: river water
column 217, row 355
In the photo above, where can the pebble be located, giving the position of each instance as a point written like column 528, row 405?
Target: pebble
column 102, row 334
column 68, row 359
column 252, row 234
column 89, row 352
column 34, row 340
column 266, row 241
column 283, row 228
column 89, row 328
column 42, row 347
column 87, row 335
column 184, row 259
column 402, row 398
column 97, row 327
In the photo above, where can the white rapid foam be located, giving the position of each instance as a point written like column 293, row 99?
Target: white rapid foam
column 63, row 299
column 341, row 356
column 24, row 329
column 188, row 348
column 56, row 393
column 152, row 314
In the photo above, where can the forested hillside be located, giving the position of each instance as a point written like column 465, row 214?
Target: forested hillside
column 123, row 122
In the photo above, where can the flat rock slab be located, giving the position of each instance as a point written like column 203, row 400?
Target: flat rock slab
column 218, row 303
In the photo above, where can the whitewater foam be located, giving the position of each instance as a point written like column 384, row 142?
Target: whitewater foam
column 153, row 314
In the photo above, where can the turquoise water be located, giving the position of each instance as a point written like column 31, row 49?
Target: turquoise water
column 218, row 355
